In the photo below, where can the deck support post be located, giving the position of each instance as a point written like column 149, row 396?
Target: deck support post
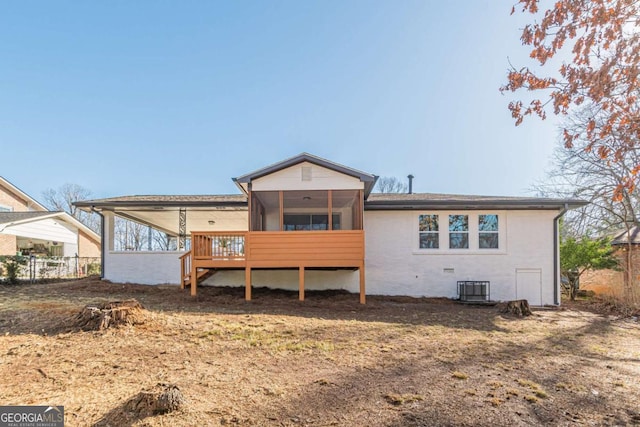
column 301, row 283
column 363, row 298
column 194, row 276
column 247, row 283
column 182, row 273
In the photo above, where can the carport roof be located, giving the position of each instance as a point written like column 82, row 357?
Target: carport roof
column 230, row 200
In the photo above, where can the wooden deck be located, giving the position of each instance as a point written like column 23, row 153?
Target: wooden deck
column 273, row 249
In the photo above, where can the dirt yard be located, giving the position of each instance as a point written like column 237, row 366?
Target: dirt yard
column 327, row 361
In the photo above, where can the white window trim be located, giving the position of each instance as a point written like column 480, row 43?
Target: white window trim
column 5, row 208
column 467, row 231
column 474, row 231
column 438, row 233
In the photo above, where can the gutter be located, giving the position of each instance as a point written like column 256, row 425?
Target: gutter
column 556, row 253
column 102, row 245
column 166, row 203
column 440, row 204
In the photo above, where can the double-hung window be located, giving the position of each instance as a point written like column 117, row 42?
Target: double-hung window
column 461, row 232
column 429, row 231
column 458, row 231
column 488, row 235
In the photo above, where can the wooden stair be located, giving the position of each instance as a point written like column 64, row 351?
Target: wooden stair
column 203, row 274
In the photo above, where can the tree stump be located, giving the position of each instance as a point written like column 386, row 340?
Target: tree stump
column 518, row 307
column 102, row 316
column 161, row 399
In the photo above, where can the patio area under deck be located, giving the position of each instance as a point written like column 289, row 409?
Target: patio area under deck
column 272, row 250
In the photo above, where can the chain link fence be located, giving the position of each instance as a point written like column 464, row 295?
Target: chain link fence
column 33, row 268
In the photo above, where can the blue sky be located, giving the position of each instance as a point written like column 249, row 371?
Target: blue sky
column 177, row 97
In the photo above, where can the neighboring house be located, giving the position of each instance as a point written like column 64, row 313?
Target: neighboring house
column 27, row 227
column 614, row 282
column 309, row 223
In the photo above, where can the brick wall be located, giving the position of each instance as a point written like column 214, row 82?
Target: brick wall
column 7, row 244
column 87, row 247
column 9, row 199
column 612, row 282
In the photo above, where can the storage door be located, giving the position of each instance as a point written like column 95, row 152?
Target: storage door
column 529, row 285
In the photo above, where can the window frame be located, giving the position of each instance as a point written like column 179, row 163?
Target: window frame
column 337, row 219
column 461, row 233
column 473, row 233
column 495, row 232
column 429, row 232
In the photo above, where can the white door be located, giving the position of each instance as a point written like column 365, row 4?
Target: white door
column 529, row 285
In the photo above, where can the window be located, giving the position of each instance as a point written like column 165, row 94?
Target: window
column 55, row 250
column 458, row 231
column 462, row 232
column 6, row 208
column 488, row 231
column 429, row 231
column 301, row 222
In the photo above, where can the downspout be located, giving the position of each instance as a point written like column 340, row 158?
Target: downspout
column 102, row 247
column 556, row 253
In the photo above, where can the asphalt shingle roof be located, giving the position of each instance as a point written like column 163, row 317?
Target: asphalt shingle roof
column 7, row 217
column 622, row 237
column 460, row 201
column 161, row 200
column 382, row 201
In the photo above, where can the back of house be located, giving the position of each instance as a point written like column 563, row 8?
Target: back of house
column 307, row 223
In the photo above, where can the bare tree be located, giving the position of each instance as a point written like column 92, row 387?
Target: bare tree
column 581, row 172
column 163, row 241
column 391, row 184
column 133, row 236
column 129, row 235
column 62, row 199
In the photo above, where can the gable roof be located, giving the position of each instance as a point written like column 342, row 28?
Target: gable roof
column 623, row 237
column 421, row 201
column 368, row 179
column 15, row 218
column 15, row 190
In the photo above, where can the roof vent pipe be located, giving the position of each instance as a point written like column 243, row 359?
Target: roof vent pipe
column 410, row 183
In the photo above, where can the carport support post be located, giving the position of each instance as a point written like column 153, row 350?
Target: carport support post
column 182, row 229
column 247, row 283
column 363, row 298
column 301, row 283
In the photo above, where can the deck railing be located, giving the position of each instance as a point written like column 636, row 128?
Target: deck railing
column 277, row 249
column 218, row 245
column 185, row 269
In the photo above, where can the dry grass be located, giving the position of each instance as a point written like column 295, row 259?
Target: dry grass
column 326, row 361
column 399, row 399
column 459, row 375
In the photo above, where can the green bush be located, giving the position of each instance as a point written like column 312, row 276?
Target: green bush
column 93, row 269
column 12, row 268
